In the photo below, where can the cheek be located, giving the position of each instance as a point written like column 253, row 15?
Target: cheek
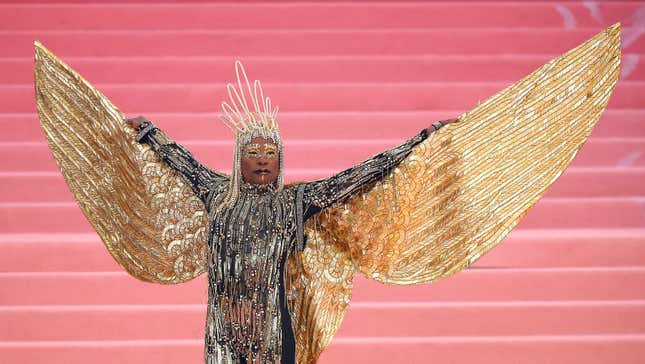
column 247, row 165
column 275, row 164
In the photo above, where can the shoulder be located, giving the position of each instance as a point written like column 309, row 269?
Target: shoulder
column 290, row 190
column 216, row 193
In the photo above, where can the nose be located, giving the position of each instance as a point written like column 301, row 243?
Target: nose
column 263, row 162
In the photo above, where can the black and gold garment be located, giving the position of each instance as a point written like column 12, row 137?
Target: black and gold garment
column 248, row 244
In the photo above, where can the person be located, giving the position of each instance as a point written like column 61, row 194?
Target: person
column 281, row 258
column 253, row 221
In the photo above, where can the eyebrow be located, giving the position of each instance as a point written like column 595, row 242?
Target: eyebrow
column 257, row 145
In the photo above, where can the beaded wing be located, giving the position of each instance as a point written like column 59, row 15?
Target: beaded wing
column 149, row 219
column 458, row 194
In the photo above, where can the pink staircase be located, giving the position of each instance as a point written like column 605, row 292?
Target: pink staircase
column 351, row 78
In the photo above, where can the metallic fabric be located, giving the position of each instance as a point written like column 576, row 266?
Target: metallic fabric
column 149, row 219
column 414, row 214
column 249, row 242
column 161, row 200
column 458, row 194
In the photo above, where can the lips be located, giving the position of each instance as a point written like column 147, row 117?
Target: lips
column 262, row 171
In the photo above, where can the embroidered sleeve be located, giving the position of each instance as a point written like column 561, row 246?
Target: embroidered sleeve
column 201, row 179
column 323, row 193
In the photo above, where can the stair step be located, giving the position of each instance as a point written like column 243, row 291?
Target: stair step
column 294, row 15
column 496, row 319
column 310, row 97
column 322, row 155
column 614, row 123
column 575, row 183
column 556, row 349
column 563, row 213
column 592, row 349
column 568, row 248
column 521, row 249
column 488, row 68
column 473, row 285
column 116, row 43
column 370, row 319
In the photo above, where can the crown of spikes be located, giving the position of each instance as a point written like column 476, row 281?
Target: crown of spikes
column 238, row 116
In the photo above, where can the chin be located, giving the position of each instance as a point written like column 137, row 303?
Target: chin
column 263, row 182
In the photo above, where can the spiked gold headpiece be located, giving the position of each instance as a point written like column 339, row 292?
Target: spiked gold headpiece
column 241, row 118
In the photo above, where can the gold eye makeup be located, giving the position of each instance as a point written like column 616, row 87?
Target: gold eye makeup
column 255, row 150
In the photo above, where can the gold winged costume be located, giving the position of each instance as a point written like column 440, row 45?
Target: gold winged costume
column 423, row 211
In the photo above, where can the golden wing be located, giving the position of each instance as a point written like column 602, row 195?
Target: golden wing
column 460, row 192
column 148, row 217
column 319, row 287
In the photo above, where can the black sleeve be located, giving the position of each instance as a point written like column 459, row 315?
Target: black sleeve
column 323, row 193
column 200, row 178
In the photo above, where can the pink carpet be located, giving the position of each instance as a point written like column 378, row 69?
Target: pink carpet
column 351, row 79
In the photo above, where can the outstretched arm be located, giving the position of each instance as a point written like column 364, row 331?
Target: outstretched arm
column 321, row 194
column 201, row 179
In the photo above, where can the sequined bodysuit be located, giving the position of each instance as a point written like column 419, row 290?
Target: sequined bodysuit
column 248, row 244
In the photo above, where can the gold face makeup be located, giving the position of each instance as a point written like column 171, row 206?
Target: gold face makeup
column 260, row 150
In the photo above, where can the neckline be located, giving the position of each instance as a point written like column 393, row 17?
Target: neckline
column 258, row 189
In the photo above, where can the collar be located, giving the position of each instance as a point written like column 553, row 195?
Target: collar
column 258, row 189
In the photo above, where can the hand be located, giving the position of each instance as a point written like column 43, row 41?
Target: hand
column 135, row 122
column 431, row 129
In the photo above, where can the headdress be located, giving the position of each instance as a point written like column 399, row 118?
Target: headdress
column 248, row 122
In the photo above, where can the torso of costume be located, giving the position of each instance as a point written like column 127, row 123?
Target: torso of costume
column 248, row 244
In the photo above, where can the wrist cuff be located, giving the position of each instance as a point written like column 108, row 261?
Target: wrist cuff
column 144, row 129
